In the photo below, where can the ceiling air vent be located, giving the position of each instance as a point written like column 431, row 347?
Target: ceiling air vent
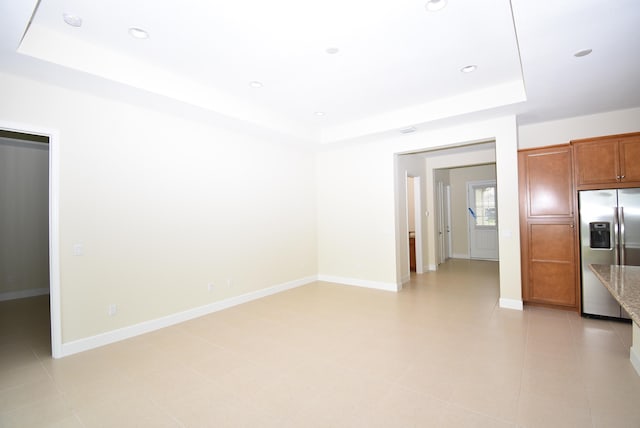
column 408, row 130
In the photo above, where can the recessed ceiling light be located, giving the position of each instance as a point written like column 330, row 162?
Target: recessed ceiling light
column 71, row 19
column 469, row 68
column 435, row 5
column 583, row 52
column 138, row 33
column 319, row 113
column 255, row 84
column 332, row 51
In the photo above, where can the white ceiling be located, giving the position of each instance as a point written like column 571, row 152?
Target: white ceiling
column 397, row 66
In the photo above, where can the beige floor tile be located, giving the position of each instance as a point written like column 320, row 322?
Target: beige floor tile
column 68, row 422
column 47, row 412
column 217, row 363
column 616, row 415
column 494, row 395
column 624, row 331
column 439, row 353
column 458, row 417
column 616, row 403
column 168, row 385
column 281, row 398
column 27, row 394
column 541, row 411
column 401, row 407
column 129, row 409
column 11, row 377
column 215, row 407
column 341, row 395
column 437, row 380
column 15, row 354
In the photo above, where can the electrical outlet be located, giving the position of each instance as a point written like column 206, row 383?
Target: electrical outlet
column 229, row 282
column 210, row 287
column 112, row 309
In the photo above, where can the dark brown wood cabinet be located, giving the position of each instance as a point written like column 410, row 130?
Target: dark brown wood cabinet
column 549, row 250
column 412, row 253
column 607, row 162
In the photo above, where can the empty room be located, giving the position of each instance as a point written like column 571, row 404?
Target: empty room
column 319, row 214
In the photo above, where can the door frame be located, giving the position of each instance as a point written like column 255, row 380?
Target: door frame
column 417, row 210
column 448, row 224
column 442, row 246
column 417, row 206
column 54, row 225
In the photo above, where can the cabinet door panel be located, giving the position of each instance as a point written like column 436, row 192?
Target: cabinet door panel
column 630, row 159
column 551, row 242
column 553, row 283
column 549, row 182
column 597, row 162
column 552, row 267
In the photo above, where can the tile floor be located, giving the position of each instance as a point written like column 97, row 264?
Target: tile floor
column 438, row 354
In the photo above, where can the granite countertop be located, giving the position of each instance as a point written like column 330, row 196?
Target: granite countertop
column 624, row 284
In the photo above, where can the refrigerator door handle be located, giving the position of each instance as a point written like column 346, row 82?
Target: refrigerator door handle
column 622, row 243
column 616, row 237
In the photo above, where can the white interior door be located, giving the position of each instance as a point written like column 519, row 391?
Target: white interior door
column 483, row 220
column 447, row 226
column 442, row 250
column 417, row 204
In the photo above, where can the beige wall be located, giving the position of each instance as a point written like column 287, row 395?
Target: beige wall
column 565, row 130
column 164, row 205
column 459, row 178
column 360, row 232
column 356, row 214
column 24, row 214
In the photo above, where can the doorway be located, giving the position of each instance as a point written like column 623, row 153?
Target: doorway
column 414, row 224
column 49, row 249
column 482, row 220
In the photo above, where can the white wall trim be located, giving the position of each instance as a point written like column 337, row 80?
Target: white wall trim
column 635, row 359
column 511, row 304
column 387, row 286
column 460, row 256
column 21, row 294
column 113, row 336
column 634, row 352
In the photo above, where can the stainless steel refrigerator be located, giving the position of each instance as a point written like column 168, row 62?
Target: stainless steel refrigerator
column 609, row 234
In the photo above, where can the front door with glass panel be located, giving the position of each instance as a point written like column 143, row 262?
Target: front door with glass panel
column 483, row 220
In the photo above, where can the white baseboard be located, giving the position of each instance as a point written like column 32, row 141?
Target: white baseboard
column 21, row 294
column 405, row 279
column 113, row 336
column 460, row 256
column 510, row 304
column 433, row 268
column 387, row 286
column 635, row 357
